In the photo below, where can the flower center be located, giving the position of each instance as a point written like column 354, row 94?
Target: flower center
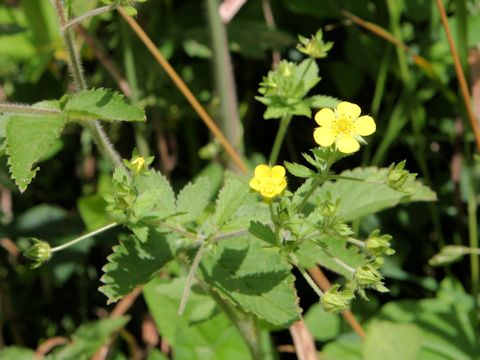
column 342, row 126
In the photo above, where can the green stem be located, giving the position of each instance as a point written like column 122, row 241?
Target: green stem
column 83, row 237
column 179, row 230
column 316, row 183
column 307, row 277
column 75, row 66
column 26, row 109
column 224, row 79
column 190, row 277
column 473, row 242
column 89, row 14
column 282, row 130
column 356, row 242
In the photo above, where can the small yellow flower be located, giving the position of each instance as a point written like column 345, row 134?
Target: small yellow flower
column 269, row 181
column 139, row 163
column 344, row 127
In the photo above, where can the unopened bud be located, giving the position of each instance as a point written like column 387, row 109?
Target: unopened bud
column 378, row 244
column 314, row 47
column 335, row 300
column 398, row 177
column 39, row 252
column 368, row 276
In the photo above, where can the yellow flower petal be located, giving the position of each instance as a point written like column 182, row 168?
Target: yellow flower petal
column 365, row 125
column 347, row 144
column 278, row 172
column 262, row 171
column 325, row 117
column 349, row 110
column 255, row 184
column 324, row 136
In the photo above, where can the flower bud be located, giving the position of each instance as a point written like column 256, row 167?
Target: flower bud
column 39, row 252
column 335, row 300
column 368, row 276
column 398, row 177
column 378, row 244
column 314, row 47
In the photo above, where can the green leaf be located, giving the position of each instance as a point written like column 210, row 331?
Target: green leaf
column 310, row 254
column 370, row 194
column 255, row 278
column 101, row 104
column 306, row 75
column 322, row 325
column 193, row 199
column 88, row 339
column 156, row 197
column 29, row 137
column 298, row 170
column 17, row 353
column 230, row 197
column 262, row 232
column 322, row 101
column 134, row 263
column 213, row 338
column 386, row 340
column 92, row 209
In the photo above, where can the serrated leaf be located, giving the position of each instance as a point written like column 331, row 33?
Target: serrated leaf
column 306, row 74
column 88, row 339
column 193, row 199
column 230, row 197
column 322, row 101
column 275, row 112
column 134, row 263
column 101, row 104
column 255, row 278
column 28, row 138
column 262, row 232
column 360, row 198
column 298, row 170
column 156, row 197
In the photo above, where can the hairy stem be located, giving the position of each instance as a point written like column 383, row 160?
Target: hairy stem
column 26, row 109
column 89, row 14
column 100, row 137
column 83, row 237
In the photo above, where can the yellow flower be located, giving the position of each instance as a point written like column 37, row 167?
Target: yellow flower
column 269, row 181
column 344, row 127
column 139, row 163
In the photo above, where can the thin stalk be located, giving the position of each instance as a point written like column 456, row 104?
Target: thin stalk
column 460, row 74
column 190, row 278
column 356, row 242
column 282, row 130
column 83, row 237
column 462, row 32
column 224, row 79
column 307, row 277
column 473, row 242
column 184, row 90
column 179, row 230
column 100, row 137
column 89, row 14
column 26, row 109
column 316, row 183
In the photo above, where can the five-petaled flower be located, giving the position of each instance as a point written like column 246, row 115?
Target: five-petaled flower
column 344, row 127
column 269, row 181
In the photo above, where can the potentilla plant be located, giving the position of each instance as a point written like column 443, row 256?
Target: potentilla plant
column 242, row 248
